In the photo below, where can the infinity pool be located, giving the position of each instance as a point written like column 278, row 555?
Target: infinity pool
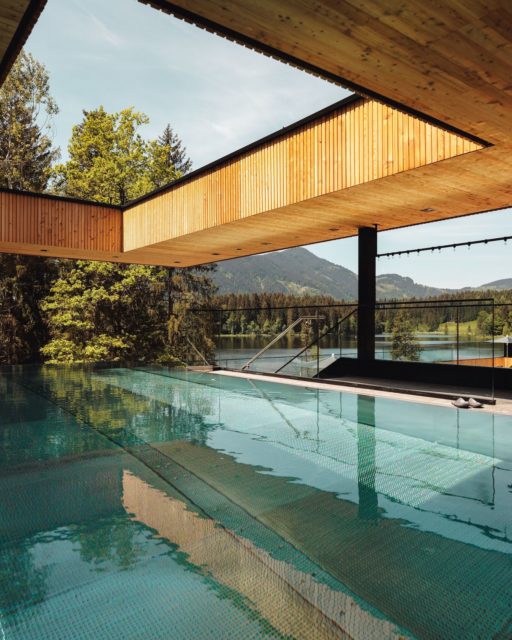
column 154, row 504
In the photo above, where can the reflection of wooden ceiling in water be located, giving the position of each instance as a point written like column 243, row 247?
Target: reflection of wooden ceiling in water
column 362, row 162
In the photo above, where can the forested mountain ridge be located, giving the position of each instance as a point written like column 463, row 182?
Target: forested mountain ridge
column 300, row 272
column 294, row 271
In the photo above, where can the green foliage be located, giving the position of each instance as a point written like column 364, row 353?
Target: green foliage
column 26, row 155
column 270, row 313
column 176, row 154
column 190, row 329
column 109, row 160
column 105, row 312
column 23, row 283
column 26, row 109
column 404, row 345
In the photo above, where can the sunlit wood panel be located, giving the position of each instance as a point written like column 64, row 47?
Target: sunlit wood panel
column 58, row 227
column 451, row 60
column 359, row 142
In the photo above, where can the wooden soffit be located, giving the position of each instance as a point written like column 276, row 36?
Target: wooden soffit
column 321, row 179
column 450, row 60
column 17, row 17
column 430, row 140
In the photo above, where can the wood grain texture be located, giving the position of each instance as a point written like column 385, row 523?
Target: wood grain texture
column 363, row 164
column 458, row 186
column 17, row 18
column 11, row 14
column 354, row 145
column 451, row 60
column 58, row 227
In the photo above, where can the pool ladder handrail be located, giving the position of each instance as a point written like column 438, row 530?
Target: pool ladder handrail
column 336, row 325
column 278, row 337
column 194, row 348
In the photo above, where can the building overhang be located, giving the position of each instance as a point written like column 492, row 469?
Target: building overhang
column 430, row 140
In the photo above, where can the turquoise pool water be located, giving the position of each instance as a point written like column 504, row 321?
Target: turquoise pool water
column 152, row 503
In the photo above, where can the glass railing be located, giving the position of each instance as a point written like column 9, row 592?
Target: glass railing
column 450, row 332
column 267, row 339
column 463, row 332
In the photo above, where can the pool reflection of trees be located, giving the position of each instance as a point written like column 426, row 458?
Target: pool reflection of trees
column 125, row 417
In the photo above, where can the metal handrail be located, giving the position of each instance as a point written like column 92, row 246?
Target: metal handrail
column 203, row 358
column 319, row 337
column 278, row 337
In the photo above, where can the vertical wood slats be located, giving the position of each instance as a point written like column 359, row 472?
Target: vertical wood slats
column 51, row 222
column 356, row 144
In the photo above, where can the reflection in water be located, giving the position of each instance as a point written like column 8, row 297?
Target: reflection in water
column 292, row 601
column 264, row 495
column 27, row 582
column 101, row 574
column 366, row 470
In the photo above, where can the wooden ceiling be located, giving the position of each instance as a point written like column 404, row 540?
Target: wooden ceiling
column 17, row 17
column 355, row 164
column 304, row 185
column 431, row 140
column 449, row 59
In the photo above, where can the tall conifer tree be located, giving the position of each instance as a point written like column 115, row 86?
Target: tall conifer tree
column 26, row 155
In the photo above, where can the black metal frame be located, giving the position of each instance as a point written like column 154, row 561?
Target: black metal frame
column 454, row 245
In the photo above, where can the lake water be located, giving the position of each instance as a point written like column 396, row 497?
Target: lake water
column 233, row 352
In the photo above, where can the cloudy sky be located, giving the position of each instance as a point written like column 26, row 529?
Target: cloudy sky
column 219, row 96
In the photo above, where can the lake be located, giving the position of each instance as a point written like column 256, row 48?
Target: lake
column 234, row 351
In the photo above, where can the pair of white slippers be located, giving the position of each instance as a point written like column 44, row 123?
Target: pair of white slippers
column 460, row 403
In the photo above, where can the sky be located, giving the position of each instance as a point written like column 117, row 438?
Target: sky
column 218, row 97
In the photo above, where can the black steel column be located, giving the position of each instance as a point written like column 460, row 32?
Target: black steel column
column 367, row 293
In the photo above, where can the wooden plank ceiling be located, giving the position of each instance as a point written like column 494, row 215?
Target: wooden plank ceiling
column 431, row 140
column 17, row 17
column 308, row 183
column 449, row 59
column 301, row 186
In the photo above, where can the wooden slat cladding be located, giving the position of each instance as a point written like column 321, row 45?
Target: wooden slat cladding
column 458, row 186
column 359, row 143
column 59, row 226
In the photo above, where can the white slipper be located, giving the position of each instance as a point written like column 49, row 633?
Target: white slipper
column 474, row 404
column 460, row 403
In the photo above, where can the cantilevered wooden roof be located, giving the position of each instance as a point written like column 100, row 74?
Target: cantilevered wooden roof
column 430, row 140
column 17, row 17
column 450, row 60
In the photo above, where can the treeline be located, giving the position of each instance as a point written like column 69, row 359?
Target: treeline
column 475, row 306
column 270, row 313
column 63, row 311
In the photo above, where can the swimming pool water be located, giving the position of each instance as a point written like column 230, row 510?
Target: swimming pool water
column 151, row 503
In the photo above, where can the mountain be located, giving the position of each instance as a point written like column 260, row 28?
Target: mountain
column 500, row 285
column 293, row 271
column 391, row 285
column 300, row 272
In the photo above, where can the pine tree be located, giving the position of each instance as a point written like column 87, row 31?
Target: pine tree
column 26, row 155
column 102, row 311
column 176, row 152
column 404, row 345
column 26, row 109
